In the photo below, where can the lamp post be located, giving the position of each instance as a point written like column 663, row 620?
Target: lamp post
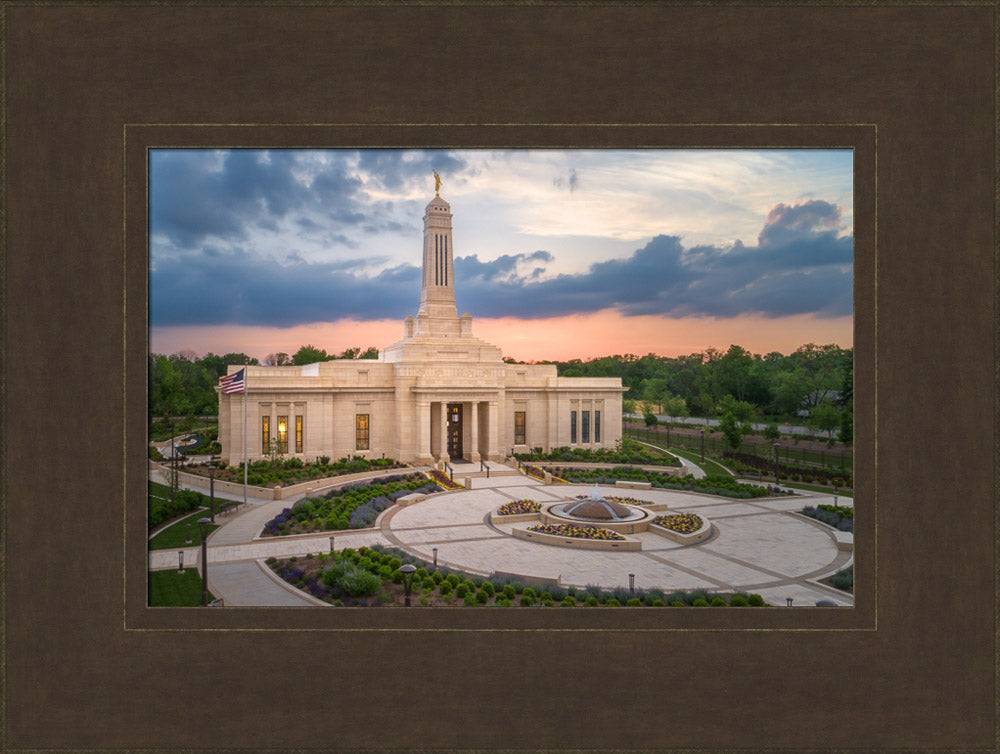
column 776, row 446
column 435, row 557
column 407, row 570
column 211, row 490
column 204, row 523
column 704, row 430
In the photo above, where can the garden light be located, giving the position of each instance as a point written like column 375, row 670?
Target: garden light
column 631, row 583
column 407, row 571
column 435, row 557
column 204, row 523
column 211, row 490
column 189, row 532
column 180, row 561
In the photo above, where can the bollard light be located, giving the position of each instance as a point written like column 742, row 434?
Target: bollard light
column 407, row 570
column 180, row 561
column 435, row 557
column 331, row 544
column 788, row 601
column 631, row 583
column 189, row 532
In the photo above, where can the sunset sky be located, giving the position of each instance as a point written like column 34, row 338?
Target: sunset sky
column 559, row 254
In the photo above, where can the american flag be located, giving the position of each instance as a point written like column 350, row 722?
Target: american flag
column 233, row 383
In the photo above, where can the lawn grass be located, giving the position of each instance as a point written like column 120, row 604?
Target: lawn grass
column 816, row 488
column 175, row 535
column 161, row 491
column 170, row 588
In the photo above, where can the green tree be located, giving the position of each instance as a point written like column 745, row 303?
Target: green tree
column 731, row 431
column 825, row 417
column 650, row 418
column 350, row 353
column 846, row 433
column 771, row 432
column 278, row 359
column 371, row 353
column 628, row 406
column 309, row 354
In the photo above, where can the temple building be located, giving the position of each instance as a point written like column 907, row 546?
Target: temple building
column 438, row 394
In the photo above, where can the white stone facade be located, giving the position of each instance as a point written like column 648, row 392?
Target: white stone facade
column 437, row 394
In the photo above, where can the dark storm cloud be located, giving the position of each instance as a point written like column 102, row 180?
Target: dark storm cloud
column 799, row 266
column 194, row 195
column 237, row 288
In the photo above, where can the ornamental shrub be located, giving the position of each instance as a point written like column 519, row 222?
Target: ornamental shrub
column 568, row 601
column 590, row 602
column 612, row 603
column 482, row 597
column 677, row 603
column 718, row 602
column 545, row 596
column 469, row 600
column 529, row 592
column 502, row 602
column 453, row 580
column 488, row 588
column 445, row 588
column 461, row 591
column 271, row 561
column 755, row 600
column 634, row 602
column 700, row 603
column 527, row 599
column 658, row 603
column 738, row 601
column 425, row 600
column 420, row 573
column 437, row 577
column 509, row 592
column 428, row 582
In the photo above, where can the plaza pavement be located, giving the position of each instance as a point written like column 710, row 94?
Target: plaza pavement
column 760, row 545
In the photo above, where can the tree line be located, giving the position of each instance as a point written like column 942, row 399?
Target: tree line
column 813, row 379
column 184, row 385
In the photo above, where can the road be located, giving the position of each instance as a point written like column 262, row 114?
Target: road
column 785, row 429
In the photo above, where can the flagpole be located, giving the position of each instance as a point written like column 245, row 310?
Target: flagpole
column 246, row 379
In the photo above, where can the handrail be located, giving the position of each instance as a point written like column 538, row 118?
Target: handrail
column 484, row 466
column 450, row 471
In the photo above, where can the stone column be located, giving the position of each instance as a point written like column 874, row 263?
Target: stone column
column 444, row 432
column 493, row 433
column 474, row 432
column 424, row 433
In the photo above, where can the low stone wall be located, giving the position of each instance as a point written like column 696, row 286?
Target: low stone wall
column 544, row 465
column 622, row 527
column 580, row 544
column 513, row 518
column 627, row 485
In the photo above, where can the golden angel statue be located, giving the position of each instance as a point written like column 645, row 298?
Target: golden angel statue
column 437, row 183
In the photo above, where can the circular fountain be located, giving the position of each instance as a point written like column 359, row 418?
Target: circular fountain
column 595, row 510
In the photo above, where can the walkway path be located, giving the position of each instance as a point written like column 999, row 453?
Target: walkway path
column 761, row 545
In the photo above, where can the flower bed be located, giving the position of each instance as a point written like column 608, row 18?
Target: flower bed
column 836, row 516
column 339, row 579
column 293, row 470
column 577, row 531
column 628, row 451
column 533, row 471
column 627, row 500
column 516, row 507
column 441, row 478
column 683, row 523
column 723, row 486
column 353, row 506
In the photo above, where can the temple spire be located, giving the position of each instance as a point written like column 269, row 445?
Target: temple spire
column 437, row 287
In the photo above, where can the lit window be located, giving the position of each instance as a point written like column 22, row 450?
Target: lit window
column 597, row 426
column 298, row 434
column 519, row 428
column 586, row 427
column 282, row 434
column 361, row 432
column 572, row 427
column 265, row 434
